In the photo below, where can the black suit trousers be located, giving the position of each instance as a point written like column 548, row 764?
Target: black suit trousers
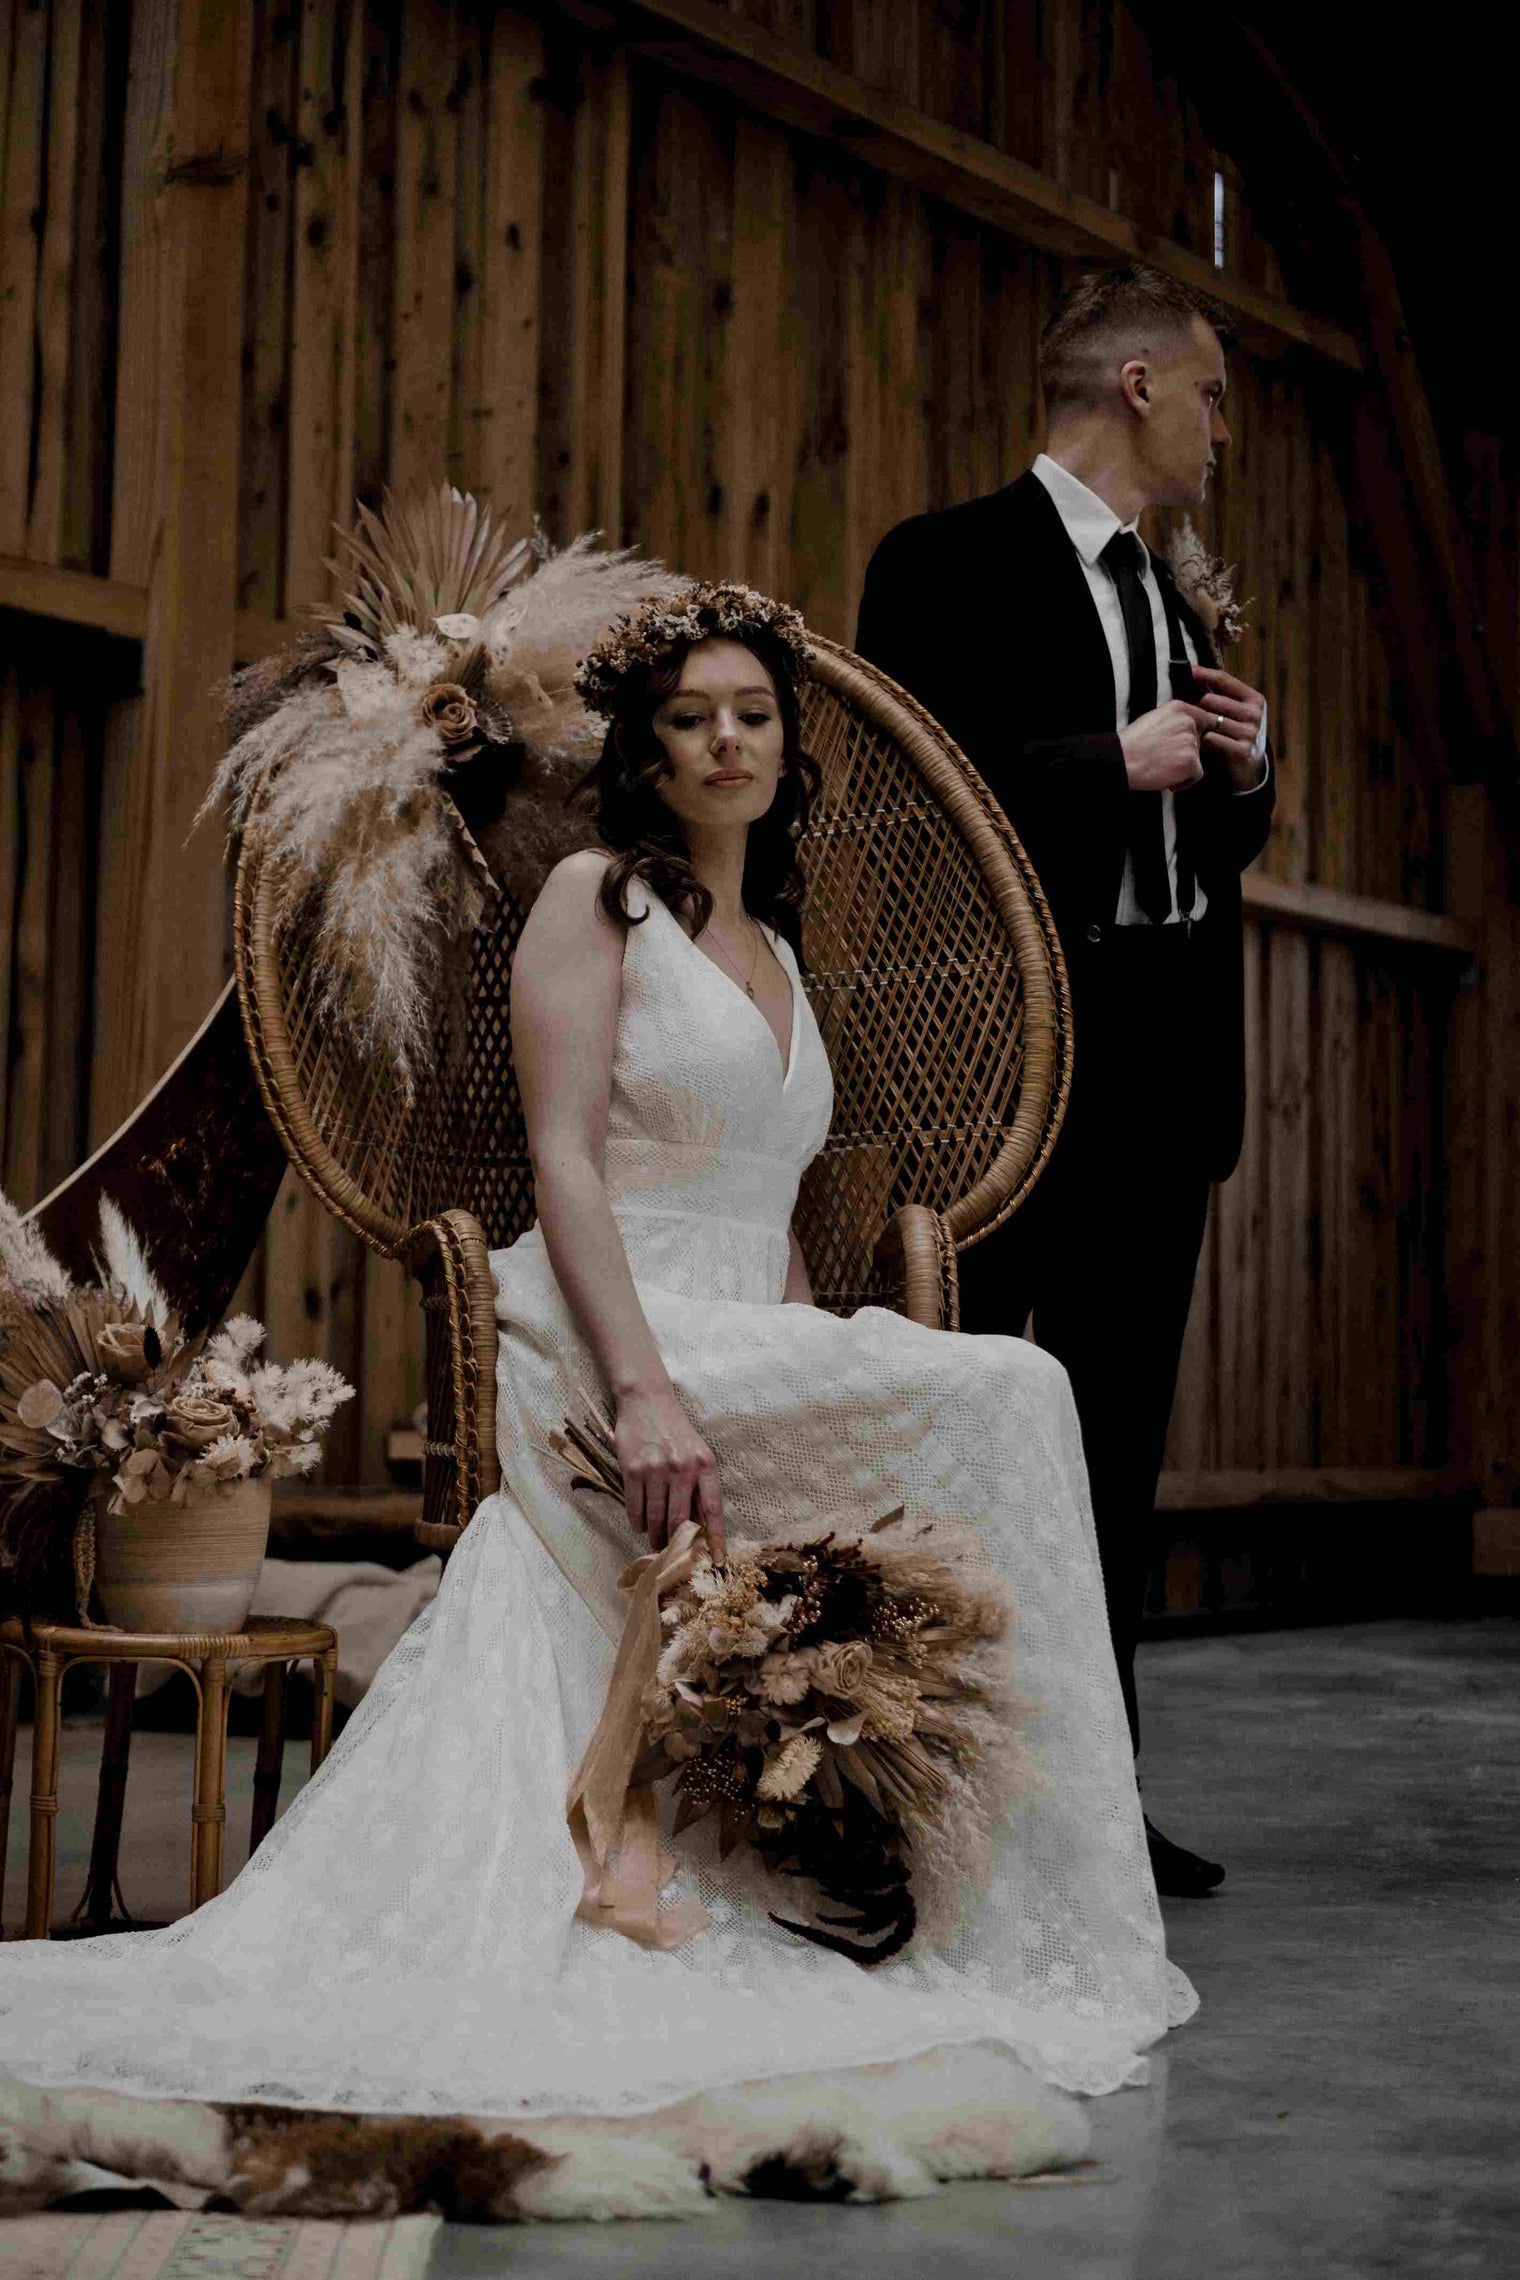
column 1105, row 1252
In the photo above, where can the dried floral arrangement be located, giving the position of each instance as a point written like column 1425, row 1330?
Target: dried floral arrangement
column 100, row 1390
column 700, row 613
column 1206, row 582
column 453, row 643
column 842, row 1705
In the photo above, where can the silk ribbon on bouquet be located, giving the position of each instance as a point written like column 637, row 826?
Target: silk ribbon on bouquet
column 614, row 1821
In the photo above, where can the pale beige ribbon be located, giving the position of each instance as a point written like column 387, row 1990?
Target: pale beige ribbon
column 615, row 1826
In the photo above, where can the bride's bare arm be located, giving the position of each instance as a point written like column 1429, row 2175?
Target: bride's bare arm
column 798, row 1290
column 566, row 982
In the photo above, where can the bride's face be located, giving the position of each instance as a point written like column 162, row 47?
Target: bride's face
column 722, row 733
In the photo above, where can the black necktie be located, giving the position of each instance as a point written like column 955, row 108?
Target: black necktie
column 1123, row 558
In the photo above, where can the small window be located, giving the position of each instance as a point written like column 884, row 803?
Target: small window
column 1218, row 221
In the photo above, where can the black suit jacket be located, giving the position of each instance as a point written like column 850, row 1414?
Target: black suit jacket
column 983, row 613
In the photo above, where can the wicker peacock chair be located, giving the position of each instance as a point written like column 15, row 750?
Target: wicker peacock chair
column 937, row 981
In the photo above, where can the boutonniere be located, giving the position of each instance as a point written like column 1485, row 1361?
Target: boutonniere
column 1206, row 582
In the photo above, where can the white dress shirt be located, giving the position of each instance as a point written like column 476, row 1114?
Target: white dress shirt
column 1090, row 524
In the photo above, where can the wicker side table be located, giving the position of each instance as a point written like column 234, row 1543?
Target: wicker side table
column 206, row 1657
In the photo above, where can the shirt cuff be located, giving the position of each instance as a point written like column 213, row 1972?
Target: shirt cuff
column 1259, row 755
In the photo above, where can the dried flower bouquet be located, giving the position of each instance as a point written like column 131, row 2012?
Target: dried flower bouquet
column 100, row 1388
column 452, row 642
column 842, row 1706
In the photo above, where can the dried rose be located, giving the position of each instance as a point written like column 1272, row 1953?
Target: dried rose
column 123, row 1348
column 449, row 711
column 193, row 1422
column 842, row 1669
column 39, row 1405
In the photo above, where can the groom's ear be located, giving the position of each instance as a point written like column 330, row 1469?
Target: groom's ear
column 1135, row 384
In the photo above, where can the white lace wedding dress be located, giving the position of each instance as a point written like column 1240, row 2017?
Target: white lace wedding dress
column 404, row 1940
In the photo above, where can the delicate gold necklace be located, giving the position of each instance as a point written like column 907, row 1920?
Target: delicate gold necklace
column 748, row 986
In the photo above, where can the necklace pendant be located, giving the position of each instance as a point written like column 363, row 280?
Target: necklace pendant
column 749, row 992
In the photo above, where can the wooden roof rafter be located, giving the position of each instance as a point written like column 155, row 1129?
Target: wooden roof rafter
column 701, row 40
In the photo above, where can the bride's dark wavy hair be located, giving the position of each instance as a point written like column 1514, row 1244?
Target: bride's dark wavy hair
column 647, row 842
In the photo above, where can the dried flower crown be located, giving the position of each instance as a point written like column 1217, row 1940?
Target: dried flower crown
column 702, row 613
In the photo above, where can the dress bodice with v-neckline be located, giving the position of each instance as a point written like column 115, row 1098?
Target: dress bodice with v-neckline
column 707, row 1136
column 782, row 951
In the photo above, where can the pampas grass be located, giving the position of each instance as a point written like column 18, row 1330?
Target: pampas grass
column 125, row 1265
column 26, row 1262
column 335, row 775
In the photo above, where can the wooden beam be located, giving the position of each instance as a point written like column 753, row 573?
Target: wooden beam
column 74, row 597
column 1311, row 1484
column 781, row 80
column 1331, row 910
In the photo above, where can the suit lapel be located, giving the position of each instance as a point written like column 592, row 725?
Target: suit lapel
column 1075, row 674
column 1177, row 609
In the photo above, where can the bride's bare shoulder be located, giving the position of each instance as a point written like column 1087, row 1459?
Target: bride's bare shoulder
column 567, row 920
column 576, row 876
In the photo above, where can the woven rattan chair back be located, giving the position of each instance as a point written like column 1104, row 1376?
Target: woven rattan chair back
column 932, row 968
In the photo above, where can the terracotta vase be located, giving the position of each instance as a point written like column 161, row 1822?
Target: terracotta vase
column 183, row 1567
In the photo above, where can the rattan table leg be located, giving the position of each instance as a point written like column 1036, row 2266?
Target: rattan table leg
column 271, row 1757
column 324, row 1669
column 49, row 1668
column 209, row 1813
column 111, row 1798
column 10, row 1705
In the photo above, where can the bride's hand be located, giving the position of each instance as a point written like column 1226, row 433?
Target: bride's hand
column 669, row 1472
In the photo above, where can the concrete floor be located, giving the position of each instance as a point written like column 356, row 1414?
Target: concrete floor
column 1342, row 2107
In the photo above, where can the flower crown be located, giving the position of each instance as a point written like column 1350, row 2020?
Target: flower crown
column 701, row 613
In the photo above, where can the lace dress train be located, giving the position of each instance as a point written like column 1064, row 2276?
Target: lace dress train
column 404, row 1940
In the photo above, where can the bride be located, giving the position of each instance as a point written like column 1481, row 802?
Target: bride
column 406, row 1939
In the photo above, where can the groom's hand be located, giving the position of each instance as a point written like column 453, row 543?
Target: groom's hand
column 1161, row 748
column 1231, row 718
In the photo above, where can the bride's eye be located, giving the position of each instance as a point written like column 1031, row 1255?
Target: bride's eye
column 754, row 719
column 686, row 720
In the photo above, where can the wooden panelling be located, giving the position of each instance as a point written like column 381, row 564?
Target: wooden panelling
column 745, row 286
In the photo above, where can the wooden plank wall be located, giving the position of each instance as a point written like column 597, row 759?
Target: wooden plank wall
column 485, row 243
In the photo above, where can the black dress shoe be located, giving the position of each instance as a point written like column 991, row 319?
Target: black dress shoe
column 1180, row 1874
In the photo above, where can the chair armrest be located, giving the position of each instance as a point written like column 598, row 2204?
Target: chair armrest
column 917, row 1254
column 460, row 1463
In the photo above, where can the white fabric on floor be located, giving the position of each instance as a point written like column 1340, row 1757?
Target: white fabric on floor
column 404, row 1939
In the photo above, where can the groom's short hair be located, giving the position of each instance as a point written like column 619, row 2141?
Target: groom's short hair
column 1128, row 308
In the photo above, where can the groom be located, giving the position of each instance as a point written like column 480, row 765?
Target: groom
column 1058, row 652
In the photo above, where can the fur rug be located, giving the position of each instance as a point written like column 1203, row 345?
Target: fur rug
column 877, row 2133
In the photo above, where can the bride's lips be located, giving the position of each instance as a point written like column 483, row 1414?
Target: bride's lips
column 729, row 776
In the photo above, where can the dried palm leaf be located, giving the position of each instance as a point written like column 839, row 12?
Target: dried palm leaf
column 429, row 554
